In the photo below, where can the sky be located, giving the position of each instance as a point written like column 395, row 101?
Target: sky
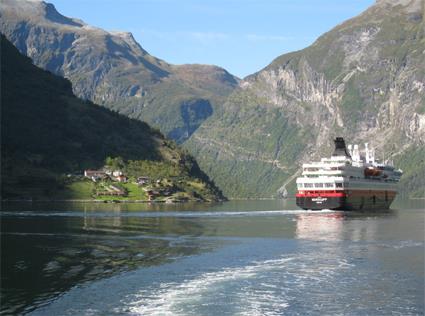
column 242, row 36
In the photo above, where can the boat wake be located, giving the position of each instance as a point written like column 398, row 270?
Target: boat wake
column 260, row 288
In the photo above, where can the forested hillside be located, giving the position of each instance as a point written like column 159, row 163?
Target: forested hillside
column 47, row 133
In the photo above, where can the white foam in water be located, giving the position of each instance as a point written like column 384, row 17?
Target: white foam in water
column 265, row 287
column 172, row 298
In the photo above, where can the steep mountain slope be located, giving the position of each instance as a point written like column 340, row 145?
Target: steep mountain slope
column 112, row 69
column 47, row 132
column 364, row 80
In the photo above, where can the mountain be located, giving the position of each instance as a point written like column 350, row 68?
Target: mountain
column 113, row 70
column 363, row 80
column 47, row 132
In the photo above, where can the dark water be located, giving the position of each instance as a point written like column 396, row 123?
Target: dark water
column 235, row 258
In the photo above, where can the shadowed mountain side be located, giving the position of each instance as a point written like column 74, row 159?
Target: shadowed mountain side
column 364, row 80
column 112, row 69
column 47, row 132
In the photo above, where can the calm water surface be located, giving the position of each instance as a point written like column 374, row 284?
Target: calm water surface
column 235, row 258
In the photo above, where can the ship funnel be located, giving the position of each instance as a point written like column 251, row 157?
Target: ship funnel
column 340, row 149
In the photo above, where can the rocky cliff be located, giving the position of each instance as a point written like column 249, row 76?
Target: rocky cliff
column 364, row 80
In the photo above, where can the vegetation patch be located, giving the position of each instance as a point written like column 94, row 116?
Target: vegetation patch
column 52, row 142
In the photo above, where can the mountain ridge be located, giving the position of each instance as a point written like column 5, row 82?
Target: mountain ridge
column 49, row 137
column 363, row 80
column 113, row 70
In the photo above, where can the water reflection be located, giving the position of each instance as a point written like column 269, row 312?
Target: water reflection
column 372, row 261
column 354, row 226
column 45, row 256
column 320, row 226
column 46, row 250
column 246, row 205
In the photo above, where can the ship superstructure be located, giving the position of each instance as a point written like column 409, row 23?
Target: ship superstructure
column 348, row 180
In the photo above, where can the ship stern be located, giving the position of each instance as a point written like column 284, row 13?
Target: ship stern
column 334, row 201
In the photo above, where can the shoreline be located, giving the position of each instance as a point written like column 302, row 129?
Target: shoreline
column 152, row 202
column 108, row 201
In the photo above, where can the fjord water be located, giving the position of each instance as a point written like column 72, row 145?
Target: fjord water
column 234, row 258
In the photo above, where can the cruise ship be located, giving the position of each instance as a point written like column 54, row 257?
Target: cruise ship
column 349, row 180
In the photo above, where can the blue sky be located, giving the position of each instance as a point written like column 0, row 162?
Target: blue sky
column 243, row 36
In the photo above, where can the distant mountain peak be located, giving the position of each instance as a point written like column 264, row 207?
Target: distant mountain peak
column 39, row 10
column 112, row 69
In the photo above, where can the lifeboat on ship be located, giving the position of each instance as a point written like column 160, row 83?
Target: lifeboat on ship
column 372, row 172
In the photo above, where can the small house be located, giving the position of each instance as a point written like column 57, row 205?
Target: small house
column 142, row 180
column 121, row 178
column 95, row 175
column 151, row 195
column 117, row 173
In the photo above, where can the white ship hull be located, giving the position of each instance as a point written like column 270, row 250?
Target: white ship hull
column 347, row 181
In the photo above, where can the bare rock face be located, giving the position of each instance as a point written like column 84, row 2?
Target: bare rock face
column 111, row 68
column 364, row 80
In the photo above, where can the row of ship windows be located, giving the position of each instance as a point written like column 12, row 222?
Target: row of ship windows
column 315, row 176
column 318, row 175
column 326, row 168
column 320, row 185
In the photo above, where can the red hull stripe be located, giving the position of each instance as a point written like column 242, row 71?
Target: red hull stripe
column 346, row 193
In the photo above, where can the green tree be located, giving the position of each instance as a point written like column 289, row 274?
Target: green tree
column 116, row 163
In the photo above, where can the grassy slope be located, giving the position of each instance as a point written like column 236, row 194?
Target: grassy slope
column 412, row 162
column 248, row 139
